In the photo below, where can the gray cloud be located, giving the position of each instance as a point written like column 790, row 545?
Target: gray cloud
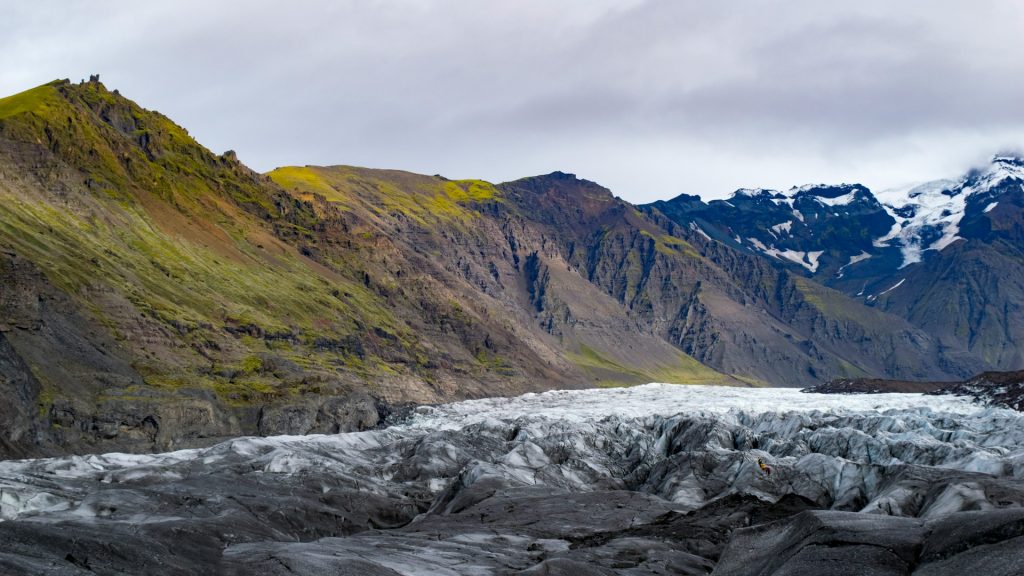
column 651, row 98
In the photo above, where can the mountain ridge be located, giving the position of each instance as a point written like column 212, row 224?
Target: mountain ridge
column 943, row 255
column 157, row 295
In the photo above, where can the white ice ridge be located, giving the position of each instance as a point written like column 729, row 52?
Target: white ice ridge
column 671, row 399
column 897, row 285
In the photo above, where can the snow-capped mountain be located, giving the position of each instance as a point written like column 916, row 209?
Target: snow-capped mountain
column 819, row 227
column 800, row 237
column 943, row 254
column 928, row 215
column 828, row 229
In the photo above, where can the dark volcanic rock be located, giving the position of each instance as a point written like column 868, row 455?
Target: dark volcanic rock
column 843, row 543
column 1002, row 389
column 876, row 386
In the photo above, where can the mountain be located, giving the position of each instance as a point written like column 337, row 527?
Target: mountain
column 820, row 228
column 968, row 286
column 943, row 255
column 157, row 295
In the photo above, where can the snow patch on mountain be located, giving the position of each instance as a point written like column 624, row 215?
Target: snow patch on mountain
column 754, row 192
column 990, row 207
column 898, row 284
column 758, row 244
column 806, row 188
column 843, row 200
column 853, row 260
column 699, row 230
column 808, row 260
column 917, row 208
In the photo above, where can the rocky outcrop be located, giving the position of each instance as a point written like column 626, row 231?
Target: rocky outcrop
column 838, row 543
column 1001, row 389
column 1005, row 389
column 89, row 397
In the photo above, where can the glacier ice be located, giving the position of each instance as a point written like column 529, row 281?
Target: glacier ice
column 508, row 484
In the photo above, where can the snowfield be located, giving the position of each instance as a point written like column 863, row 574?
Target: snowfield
column 554, row 483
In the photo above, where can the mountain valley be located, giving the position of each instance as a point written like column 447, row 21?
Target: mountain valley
column 155, row 295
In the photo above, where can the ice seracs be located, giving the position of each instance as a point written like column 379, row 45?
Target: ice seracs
column 480, row 486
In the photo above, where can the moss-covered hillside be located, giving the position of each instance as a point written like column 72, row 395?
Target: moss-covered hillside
column 156, row 294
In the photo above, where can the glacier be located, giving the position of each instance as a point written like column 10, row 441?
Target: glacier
column 651, row 479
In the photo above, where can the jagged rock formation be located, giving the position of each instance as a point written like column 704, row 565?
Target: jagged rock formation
column 1005, row 389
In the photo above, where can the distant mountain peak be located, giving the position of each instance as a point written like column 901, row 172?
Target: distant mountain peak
column 824, row 189
column 1012, row 159
column 754, row 192
column 1001, row 168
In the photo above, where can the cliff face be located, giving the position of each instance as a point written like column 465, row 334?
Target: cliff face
column 156, row 295
column 728, row 309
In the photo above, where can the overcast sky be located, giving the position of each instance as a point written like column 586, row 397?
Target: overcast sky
column 651, row 98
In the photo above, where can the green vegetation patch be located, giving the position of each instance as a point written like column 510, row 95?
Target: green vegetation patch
column 682, row 370
column 427, row 201
column 41, row 98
